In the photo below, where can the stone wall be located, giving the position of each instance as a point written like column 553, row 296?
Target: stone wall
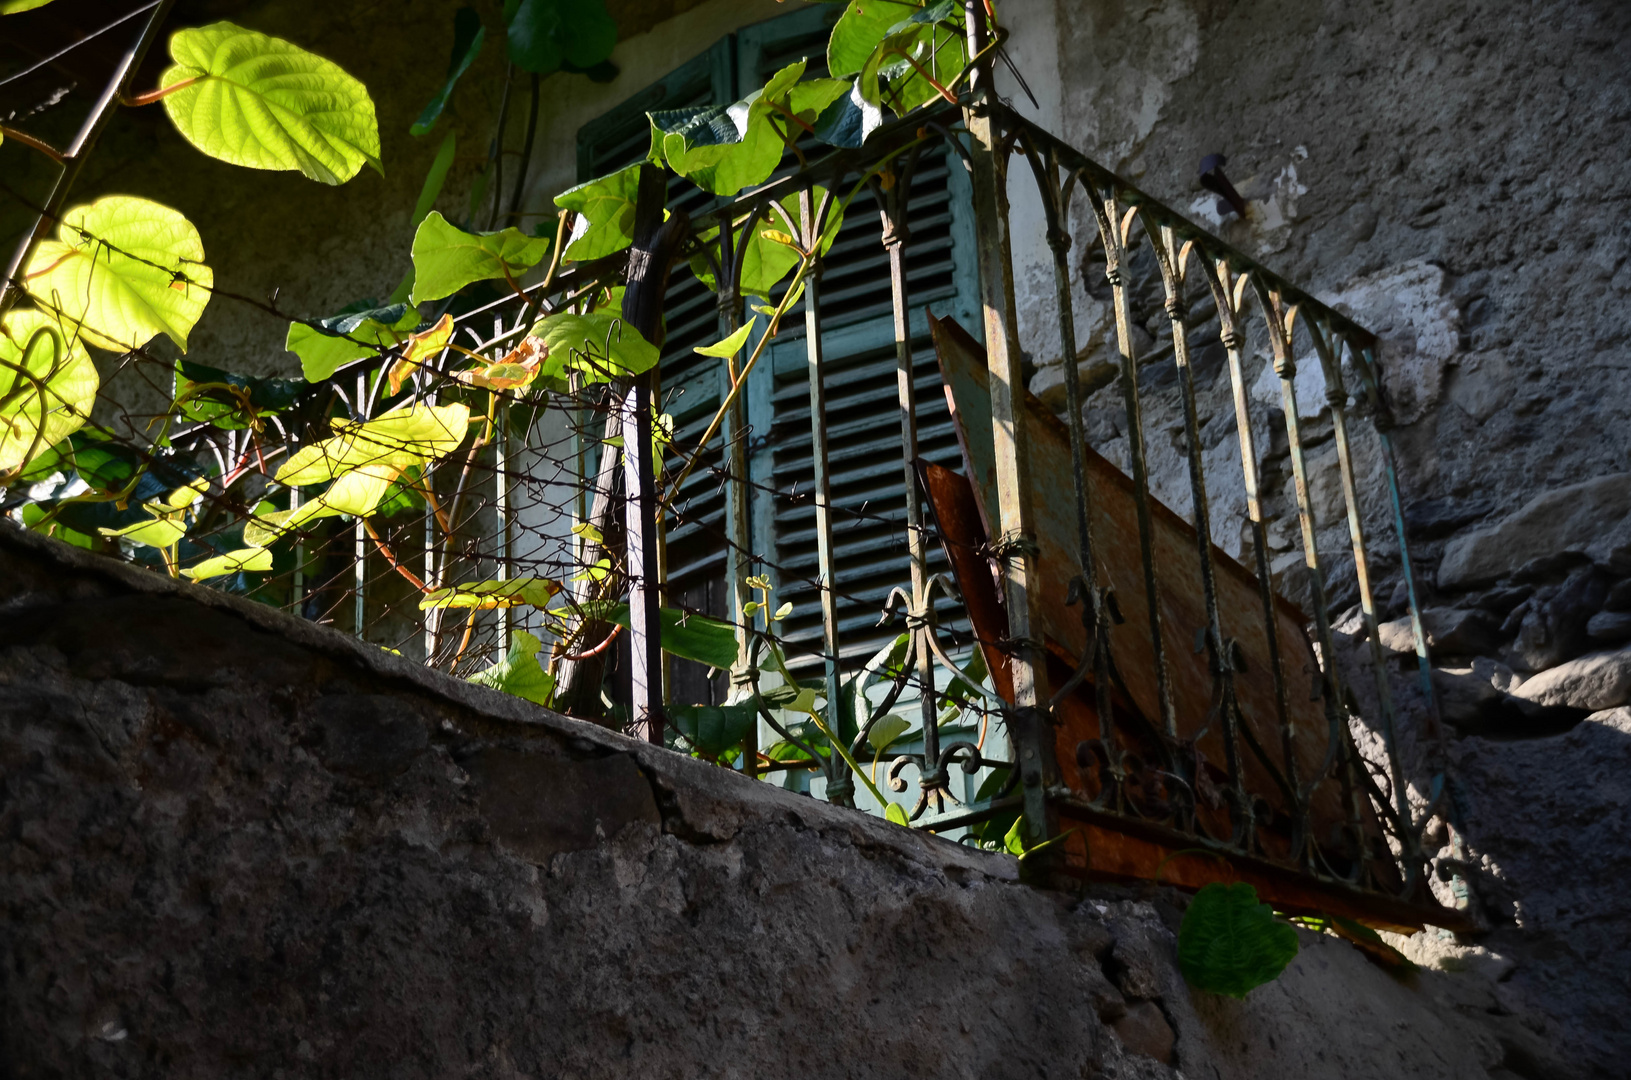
column 235, row 843
column 1451, row 174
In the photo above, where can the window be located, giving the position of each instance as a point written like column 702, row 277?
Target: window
column 862, row 414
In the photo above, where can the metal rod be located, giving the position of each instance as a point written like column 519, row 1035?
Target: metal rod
column 1016, row 543
column 892, row 211
column 1228, row 295
column 840, row 788
column 1172, row 259
column 1112, row 233
column 73, row 158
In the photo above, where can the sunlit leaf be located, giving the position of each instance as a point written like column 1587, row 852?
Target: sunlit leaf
column 533, row 591
column 362, row 330
column 264, row 103
column 519, row 673
column 887, row 731
column 606, row 211
column 728, row 347
column 446, row 258
column 1229, row 943
column 859, row 30
column 166, row 523
column 50, row 397
column 600, row 344
column 896, row 813
column 125, row 270
column 258, row 560
column 468, row 35
column 523, row 364
column 416, row 435
column 766, row 260
column 17, row 7
column 419, row 348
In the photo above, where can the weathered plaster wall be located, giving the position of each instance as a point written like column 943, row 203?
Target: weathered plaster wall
column 234, row 843
column 1453, row 176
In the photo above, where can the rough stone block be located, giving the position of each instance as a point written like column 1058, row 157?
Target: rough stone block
column 1597, row 681
column 1591, row 517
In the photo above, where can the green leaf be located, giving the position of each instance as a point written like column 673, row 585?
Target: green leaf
column 446, row 258
column 167, row 520
column 887, row 731
column 1012, row 841
column 53, row 399
column 766, row 260
column 468, row 35
column 230, row 409
column 253, row 559
column 1229, row 943
column 125, row 270
column 599, row 343
column 896, row 813
column 937, row 50
column 847, row 122
column 863, row 25
column 549, row 35
column 606, row 207
column 414, row 436
column 727, row 348
column 434, row 179
column 359, row 331
column 419, row 348
column 17, row 7
column 519, row 673
column 714, row 729
column 513, row 592
column 692, row 637
column 263, row 103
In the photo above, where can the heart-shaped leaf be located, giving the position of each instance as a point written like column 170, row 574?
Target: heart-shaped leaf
column 124, row 270
column 513, row 592
column 549, row 35
column 257, row 560
column 859, row 30
column 605, row 208
column 264, row 103
column 446, row 258
column 887, row 731
column 600, row 344
column 397, row 440
column 228, row 401
column 714, row 729
column 519, row 673
column 468, row 35
column 1229, row 943
column 693, row 637
column 359, row 331
column 47, row 387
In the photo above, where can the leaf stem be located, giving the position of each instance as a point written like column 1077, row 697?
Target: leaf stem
column 35, row 144
column 138, row 100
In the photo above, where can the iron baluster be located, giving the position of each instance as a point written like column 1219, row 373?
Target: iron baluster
column 1229, row 294
column 1281, row 321
column 840, row 788
column 1097, row 601
column 1016, row 546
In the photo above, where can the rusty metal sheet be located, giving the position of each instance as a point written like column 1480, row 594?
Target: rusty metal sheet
column 1183, row 611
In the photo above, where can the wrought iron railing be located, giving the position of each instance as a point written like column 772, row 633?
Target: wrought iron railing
column 1148, row 762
